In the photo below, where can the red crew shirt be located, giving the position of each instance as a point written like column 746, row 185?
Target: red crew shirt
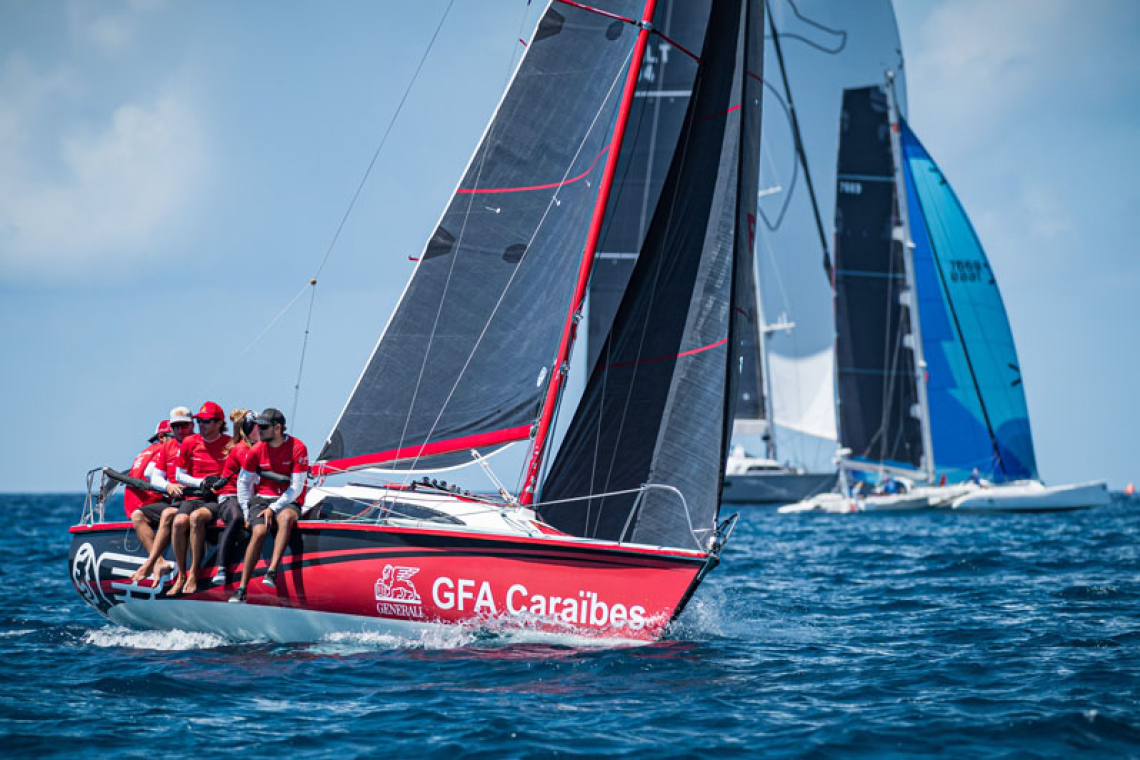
column 166, row 459
column 231, row 468
column 136, row 498
column 288, row 458
column 200, row 458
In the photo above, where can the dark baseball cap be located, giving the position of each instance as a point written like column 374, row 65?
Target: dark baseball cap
column 271, row 416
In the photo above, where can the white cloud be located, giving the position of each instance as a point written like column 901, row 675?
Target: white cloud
column 91, row 200
column 111, row 27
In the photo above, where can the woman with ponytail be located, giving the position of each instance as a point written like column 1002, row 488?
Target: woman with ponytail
column 236, row 532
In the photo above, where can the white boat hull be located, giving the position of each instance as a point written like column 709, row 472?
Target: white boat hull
column 1033, row 496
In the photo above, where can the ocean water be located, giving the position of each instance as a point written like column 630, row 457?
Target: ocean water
column 819, row 636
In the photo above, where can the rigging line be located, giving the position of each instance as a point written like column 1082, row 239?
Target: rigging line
column 798, row 139
column 383, row 139
column 502, row 296
column 304, row 346
column 348, row 211
column 773, row 226
column 840, row 32
column 272, row 322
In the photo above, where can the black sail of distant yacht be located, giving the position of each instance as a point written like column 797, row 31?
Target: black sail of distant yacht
column 464, row 361
column 879, row 419
column 659, row 404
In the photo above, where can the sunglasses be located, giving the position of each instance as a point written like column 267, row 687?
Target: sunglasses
column 180, row 424
column 265, row 425
column 203, row 420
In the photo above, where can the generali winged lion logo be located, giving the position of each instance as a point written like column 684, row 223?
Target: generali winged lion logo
column 395, row 585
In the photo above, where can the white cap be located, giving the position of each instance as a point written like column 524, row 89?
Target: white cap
column 180, row 414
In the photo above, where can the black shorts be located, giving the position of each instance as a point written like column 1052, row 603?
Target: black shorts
column 153, row 512
column 190, row 506
column 258, row 505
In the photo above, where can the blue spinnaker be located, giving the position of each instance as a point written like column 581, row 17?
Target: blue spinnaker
column 978, row 414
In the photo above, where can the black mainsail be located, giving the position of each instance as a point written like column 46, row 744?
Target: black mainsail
column 465, row 359
column 659, row 404
column 879, row 411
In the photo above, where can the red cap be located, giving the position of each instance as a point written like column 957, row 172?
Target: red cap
column 210, row 411
column 162, row 429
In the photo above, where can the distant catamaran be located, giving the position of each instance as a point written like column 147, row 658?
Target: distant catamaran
column 929, row 384
column 610, row 535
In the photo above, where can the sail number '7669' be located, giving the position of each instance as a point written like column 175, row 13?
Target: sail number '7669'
column 465, row 594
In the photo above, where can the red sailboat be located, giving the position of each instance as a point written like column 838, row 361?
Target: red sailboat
column 609, row 535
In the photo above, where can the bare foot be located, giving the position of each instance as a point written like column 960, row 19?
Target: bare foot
column 143, row 571
column 176, row 587
column 191, row 585
column 161, row 568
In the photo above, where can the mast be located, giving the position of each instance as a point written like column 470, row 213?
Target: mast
column 762, row 346
column 911, row 287
column 574, row 315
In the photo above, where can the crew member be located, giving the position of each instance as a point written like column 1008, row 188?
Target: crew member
column 160, row 472
column 275, row 505
column 199, row 466
column 236, row 532
column 147, row 504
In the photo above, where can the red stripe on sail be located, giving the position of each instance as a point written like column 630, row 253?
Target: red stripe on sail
column 434, row 448
column 598, row 11
column 534, row 187
column 702, row 349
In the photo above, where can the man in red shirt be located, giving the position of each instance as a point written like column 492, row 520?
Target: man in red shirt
column 160, row 472
column 276, row 504
column 198, row 466
column 147, row 504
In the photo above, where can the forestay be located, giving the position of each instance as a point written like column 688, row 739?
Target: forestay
column 659, row 403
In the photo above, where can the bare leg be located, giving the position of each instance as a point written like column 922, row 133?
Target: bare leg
column 286, row 519
column 142, row 530
column 154, row 561
column 197, row 546
column 253, row 551
column 181, row 535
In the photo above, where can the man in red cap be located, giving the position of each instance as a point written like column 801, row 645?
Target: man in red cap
column 199, row 466
column 160, row 472
column 276, row 505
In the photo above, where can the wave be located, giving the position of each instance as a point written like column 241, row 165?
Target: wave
column 114, row 636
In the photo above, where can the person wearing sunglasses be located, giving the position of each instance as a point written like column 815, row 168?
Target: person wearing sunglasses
column 275, row 505
column 199, row 466
column 160, row 472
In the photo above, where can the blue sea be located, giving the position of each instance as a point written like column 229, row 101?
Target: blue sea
column 905, row 635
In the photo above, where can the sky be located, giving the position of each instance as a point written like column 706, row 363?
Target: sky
column 172, row 175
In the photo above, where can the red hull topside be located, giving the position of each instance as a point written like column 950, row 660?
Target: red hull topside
column 427, row 576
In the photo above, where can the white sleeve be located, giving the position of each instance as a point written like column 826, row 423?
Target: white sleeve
column 296, row 485
column 246, row 479
column 186, row 478
column 155, row 475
